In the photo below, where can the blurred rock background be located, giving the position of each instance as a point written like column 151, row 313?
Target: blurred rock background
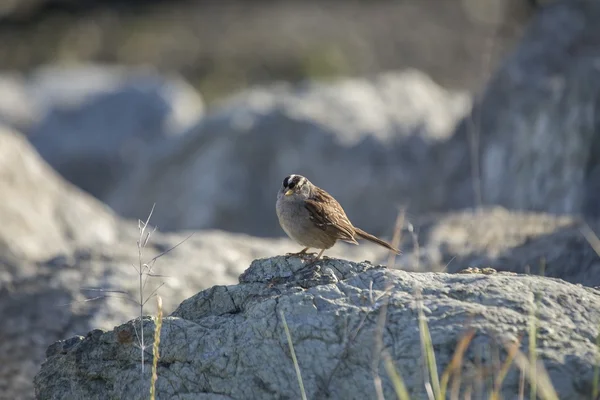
column 478, row 117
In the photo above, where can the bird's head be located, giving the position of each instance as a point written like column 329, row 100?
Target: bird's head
column 295, row 187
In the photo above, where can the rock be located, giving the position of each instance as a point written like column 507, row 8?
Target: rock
column 41, row 214
column 56, row 241
column 370, row 143
column 17, row 109
column 537, row 121
column 98, row 121
column 229, row 341
column 47, row 301
column 523, row 242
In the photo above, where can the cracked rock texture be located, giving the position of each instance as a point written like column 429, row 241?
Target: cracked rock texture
column 228, row 342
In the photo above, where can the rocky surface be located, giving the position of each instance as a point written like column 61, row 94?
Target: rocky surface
column 370, row 143
column 538, row 119
column 228, row 342
column 522, row 242
column 47, row 301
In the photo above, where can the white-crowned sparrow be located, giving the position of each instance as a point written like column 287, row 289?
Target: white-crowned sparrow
column 314, row 219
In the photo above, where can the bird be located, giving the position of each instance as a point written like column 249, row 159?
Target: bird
column 314, row 219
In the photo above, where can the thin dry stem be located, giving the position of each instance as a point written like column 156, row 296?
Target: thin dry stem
column 381, row 318
column 455, row 366
column 293, row 353
column 397, row 381
column 545, row 390
column 432, row 382
column 512, row 350
column 155, row 345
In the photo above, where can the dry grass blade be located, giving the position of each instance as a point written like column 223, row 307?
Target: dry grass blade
column 155, row 345
column 456, row 362
column 150, row 265
column 170, row 249
column 432, row 385
column 294, row 359
column 381, row 318
column 397, row 381
column 397, row 237
column 153, row 293
column 521, row 385
column 91, row 289
column 512, row 351
column 545, row 390
column 128, row 298
column 591, row 237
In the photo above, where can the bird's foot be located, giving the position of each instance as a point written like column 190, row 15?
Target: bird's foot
column 303, row 254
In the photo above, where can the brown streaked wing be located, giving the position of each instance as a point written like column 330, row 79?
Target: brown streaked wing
column 327, row 214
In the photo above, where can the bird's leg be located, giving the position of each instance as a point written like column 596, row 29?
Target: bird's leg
column 313, row 265
column 300, row 253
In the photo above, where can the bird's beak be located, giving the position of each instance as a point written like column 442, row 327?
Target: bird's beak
column 288, row 192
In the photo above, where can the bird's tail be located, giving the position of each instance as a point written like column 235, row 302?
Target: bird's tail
column 375, row 239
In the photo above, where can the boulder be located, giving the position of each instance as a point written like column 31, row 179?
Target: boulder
column 50, row 300
column 228, row 342
column 523, row 242
column 536, row 124
column 370, row 142
column 17, row 109
column 98, row 121
column 41, row 214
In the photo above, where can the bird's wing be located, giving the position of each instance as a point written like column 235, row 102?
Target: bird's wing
column 328, row 215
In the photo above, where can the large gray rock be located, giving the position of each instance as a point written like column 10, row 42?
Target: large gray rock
column 98, row 121
column 228, row 342
column 17, row 108
column 522, row 242
column 538, row 119
column 41, row 214
column 46, row 301
column 370, row 143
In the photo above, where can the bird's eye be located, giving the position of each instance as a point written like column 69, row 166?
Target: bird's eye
column 291, row 185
